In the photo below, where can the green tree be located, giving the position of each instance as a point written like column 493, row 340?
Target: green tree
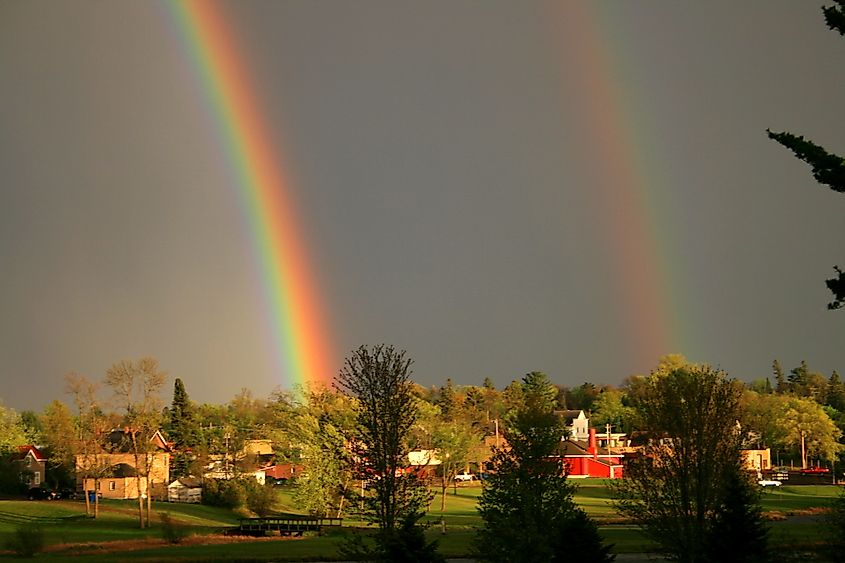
column 448, row 400
column 12, row 433
column 181, row 430
column 378, row 379
column 475, row 409
column 835, row 524
column 323, row 420
column 827, row 168
column 58, row 428
column 583, row 396
column 527, row 506
column 835, row 392
column 609, row 408
column 781, row 386
column 739, row 533
column 675, row 488
column 805, row 425
column 455, row 443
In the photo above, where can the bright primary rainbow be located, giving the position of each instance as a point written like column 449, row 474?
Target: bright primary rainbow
column 290, row 289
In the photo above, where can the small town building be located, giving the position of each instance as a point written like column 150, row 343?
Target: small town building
column 577, row 424
column 117, row 474
column 588, row 459
column 185, row 489
column 32, row 465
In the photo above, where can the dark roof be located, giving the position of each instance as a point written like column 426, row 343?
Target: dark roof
column 120, row 441
column 570, row 414
column 122, row 470
column 189, row 482
column 23, row 451
column 580, row 447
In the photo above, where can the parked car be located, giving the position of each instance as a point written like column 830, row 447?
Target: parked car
column 464, row 476
column 37, row 493
column 768, row 483
column 67, row 493
column 815, row 470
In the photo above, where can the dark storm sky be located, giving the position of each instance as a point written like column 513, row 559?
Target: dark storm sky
column 446, row 172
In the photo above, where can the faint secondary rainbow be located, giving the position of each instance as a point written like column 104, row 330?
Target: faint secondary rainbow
column 291, row 292
column 628, row 185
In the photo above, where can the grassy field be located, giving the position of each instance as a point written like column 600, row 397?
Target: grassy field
column 115, row 535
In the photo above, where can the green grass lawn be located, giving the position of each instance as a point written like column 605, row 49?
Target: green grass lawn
column 65, row 522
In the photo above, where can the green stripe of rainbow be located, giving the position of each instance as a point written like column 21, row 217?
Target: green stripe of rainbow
column 289, row 287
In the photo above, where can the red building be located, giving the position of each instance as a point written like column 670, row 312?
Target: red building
column 588, row 459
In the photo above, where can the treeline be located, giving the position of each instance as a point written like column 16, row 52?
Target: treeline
column 778, row 411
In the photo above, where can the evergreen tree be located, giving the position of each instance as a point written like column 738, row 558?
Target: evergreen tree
column 738, row 532
column 781, row 386
column 527, row 506
column 835, row 523
column 182, row 430
column 827, row 168
column 836, row 392
column 447, row 400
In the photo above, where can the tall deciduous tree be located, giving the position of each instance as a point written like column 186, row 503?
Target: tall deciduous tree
column 527, row 503
column 827, row 168
column 378, row 378
column 136, row 387
column 12, row 433
column 676, row 488
column 323, row 421
column 90, row 437
column 609, row 408
column 57, row 426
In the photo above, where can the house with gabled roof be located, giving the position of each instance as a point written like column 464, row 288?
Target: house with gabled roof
column 588, row 459
column 120, row 481
column 577, row 423
column 33, row 465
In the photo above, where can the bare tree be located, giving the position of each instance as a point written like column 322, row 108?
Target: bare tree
column 136, row 387
column 378, row 378
column 89, row 442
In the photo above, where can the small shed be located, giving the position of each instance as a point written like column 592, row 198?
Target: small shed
column 185, row 489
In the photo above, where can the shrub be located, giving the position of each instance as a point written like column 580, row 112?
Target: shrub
column 224, row 493
column 170, row 532
column 27, row 540
column 260, row 498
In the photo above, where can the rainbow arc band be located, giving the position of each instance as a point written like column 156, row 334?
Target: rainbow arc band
column 293, row 300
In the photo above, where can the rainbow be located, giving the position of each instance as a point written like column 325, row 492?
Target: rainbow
column 627, row 185
column 295, row 311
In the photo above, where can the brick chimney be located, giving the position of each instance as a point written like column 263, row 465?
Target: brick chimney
column 593, row 449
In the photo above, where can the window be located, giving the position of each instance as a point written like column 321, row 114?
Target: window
column 36, row 478
column 111, row 485
column 98, row 485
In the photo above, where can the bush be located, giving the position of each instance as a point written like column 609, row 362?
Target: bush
column 245, row 492
column 27, row 540
column 170, row 532
column 260, row 499
column 223, row 493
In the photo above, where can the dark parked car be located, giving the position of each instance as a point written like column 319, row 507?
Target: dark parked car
column 37, row 493
column 67, row 493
